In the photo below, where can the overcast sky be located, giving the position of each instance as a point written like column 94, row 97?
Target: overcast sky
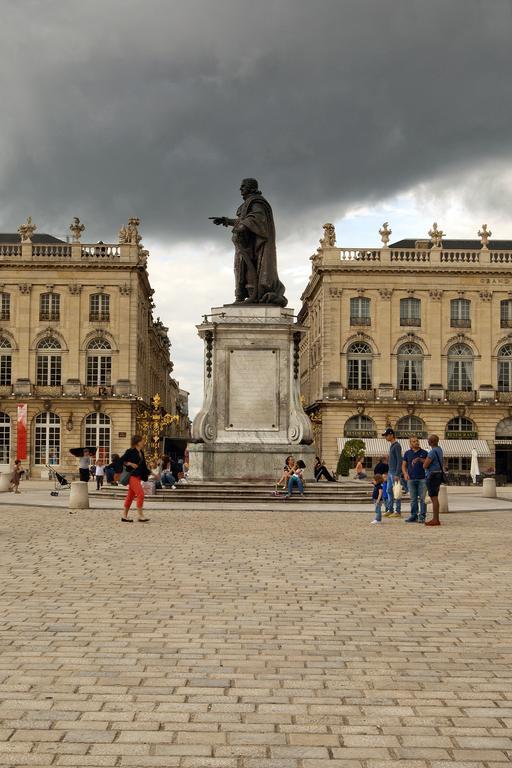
column 352, row 111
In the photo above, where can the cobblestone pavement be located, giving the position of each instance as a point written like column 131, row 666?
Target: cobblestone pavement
column 253, row 640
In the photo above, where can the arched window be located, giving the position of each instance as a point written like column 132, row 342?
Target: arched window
column 460, row 313
column 99, row 307
column 410, row 367
column 410, row 312
column 504, row 429
column 5, row 362
column 460, row 368
column 98, row 434
column 461, row 427
column 5, row 438
column 360, row 426
column 99, row 363
column 411, row 426
column 5, row 306
column 359, row 366
column 49, row 306
column 47, row 439
column 505, row 368
column 360, row 311
column 506, row 313
column 49, row 363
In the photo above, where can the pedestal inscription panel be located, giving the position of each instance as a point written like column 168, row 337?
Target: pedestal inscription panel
column 253, row 393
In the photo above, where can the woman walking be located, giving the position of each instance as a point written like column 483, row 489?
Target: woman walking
column 135, row 462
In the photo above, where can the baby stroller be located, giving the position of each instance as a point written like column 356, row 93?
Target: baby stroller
column 59, row 481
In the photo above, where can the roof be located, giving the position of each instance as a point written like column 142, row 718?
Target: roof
column 457, row 245
column 7, row 237
column 378, row 446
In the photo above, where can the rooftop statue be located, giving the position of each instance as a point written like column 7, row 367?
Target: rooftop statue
column 254, row 238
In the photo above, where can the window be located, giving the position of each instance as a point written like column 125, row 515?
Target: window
column 460, row 313
column 49, row 306
column 360, row 311
column 359, row 366
column 505, row 369
column 49, row 368
column 410, row 312
column 360, row 426
column 99, row 363
column 411, row 426
column 506, row 313
column 461, row 427
column 458, row 463
column 47, row 439
column 5, row 362
column 5, row 306
column 460, row 368
column 99, row 307
column 5, row 438
column 97, row 434
column 410, row 366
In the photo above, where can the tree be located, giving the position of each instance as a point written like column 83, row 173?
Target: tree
column 351, row 449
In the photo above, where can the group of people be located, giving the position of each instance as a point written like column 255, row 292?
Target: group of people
column 421, row 470
column 293, row 474
column 132, row 471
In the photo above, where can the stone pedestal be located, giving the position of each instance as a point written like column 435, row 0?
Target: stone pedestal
column 489, row 488
column 252, row 416
column 443, row 500
column 5, row 481
column 79, row 495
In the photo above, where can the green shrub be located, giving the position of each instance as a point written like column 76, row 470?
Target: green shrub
column 352, row 449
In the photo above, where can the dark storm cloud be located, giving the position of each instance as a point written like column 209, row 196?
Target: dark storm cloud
column 159, row 107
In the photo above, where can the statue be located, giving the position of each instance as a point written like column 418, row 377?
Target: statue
column 329, row 238
column 254, row 238
column 436, row 236
column 484, row 234
column 129, row 234
column 27, row 230
column 76, row 228
column 385, row 233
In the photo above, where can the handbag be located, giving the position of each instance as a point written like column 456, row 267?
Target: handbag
column 125, row 476
column 444, row 476
column 397, row 489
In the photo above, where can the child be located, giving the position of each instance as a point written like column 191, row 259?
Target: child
column 378, row 481
column 99, row 473
column 296, row 478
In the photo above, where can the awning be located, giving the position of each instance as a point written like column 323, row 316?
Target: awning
column 378, row 446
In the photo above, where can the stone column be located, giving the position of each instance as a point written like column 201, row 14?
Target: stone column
column 74, row 368
column 23, row 325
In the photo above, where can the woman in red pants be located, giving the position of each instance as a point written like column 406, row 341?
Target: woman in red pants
column 134, row 460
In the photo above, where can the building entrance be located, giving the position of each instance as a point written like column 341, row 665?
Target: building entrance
column 503, row 444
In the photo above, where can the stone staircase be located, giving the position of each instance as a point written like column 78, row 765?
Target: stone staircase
column 346, row 492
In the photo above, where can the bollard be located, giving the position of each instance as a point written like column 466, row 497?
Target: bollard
column 5, row 481
column 79, row 495
column 443, row 500
column 489, row 488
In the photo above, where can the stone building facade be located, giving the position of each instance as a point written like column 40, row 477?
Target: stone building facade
column 81, row 354
column 416, row 335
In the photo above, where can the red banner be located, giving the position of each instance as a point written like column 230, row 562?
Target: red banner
column 21, row 447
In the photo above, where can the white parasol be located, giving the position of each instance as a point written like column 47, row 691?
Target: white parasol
column 475, row 469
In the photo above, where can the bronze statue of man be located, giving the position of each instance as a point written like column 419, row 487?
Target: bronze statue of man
column 254, row 237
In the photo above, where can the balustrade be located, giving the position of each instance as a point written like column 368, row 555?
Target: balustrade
column 51, row 250
column 421, row 255
column 467, row 257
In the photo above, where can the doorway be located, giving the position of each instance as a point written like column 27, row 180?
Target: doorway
column 504, row 461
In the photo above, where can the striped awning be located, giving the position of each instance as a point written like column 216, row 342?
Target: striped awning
column 378, row 446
